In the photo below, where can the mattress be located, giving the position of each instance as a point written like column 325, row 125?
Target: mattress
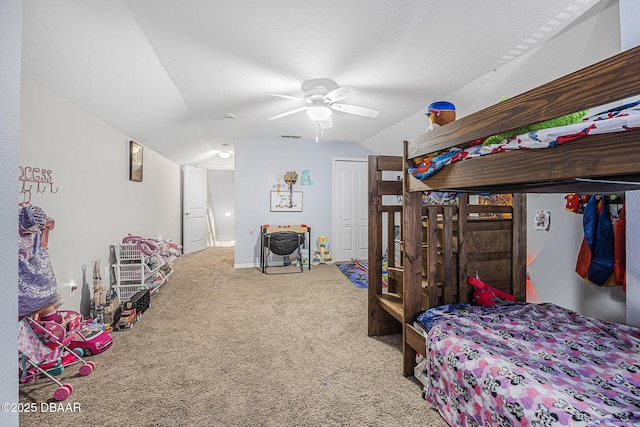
column 521, row 364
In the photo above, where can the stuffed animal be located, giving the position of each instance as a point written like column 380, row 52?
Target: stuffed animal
column 576, row 202
column 440, row 113
column 572, row 202
column 486, row 295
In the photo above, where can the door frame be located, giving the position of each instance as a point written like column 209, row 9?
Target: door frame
column 201, row 211
column 334, row 195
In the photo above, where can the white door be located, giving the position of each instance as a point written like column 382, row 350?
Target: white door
column 350, row 197
column 194, row 208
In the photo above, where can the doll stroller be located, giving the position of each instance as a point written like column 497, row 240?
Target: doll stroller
column 42, row 350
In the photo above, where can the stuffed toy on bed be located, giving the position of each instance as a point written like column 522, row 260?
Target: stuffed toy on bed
column 486, row 295
column 558, row 121
column 440, row 113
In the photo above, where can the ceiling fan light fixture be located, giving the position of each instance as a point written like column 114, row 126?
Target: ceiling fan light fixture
column 319, row 112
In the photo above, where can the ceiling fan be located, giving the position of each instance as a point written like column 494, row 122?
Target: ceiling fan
column 321, row 97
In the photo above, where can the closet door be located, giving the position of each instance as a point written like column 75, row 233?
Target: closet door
column 350, row 195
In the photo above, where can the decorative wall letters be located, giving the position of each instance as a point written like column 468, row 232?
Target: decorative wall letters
column 305, row 179
column 38, row 177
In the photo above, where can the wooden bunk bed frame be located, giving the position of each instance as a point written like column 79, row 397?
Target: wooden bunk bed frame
column 456, row 241
column 596, row 163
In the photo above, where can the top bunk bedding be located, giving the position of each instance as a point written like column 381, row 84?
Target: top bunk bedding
column 621, row 119
column 523, row 364
column 583, row 158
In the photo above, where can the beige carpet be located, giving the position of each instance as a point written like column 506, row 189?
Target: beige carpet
column 225, row 347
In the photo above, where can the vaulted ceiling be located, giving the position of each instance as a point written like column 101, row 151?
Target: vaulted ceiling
column 186, row 77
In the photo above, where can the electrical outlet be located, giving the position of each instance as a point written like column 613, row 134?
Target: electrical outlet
column 72, row 288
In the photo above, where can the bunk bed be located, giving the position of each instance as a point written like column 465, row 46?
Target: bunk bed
column 455, row 240
column 592, row 163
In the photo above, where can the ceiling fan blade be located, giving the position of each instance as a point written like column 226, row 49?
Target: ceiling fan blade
column 287, row 113
column 339, row 94
column 326, row 124
column 355, row 109
column 279, row 95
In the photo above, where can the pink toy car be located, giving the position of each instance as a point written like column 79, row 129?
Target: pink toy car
column 92, row 339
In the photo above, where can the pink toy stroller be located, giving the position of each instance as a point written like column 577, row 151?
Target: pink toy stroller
column 70, row 320
column 42, row 349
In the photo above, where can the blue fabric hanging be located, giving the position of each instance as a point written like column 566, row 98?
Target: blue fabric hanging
column 598, row 233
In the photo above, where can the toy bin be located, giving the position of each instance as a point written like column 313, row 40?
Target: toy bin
column 125, row 292
column 129, row 273
column 128, row 252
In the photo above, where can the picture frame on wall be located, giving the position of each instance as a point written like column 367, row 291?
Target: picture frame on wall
column 135, row 161
column 286, row 201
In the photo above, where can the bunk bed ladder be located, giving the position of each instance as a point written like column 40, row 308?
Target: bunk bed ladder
column 385, row 314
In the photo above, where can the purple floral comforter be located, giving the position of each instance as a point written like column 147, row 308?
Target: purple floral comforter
column 520, row 364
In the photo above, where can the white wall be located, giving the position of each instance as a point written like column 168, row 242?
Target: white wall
column 10, row 58
column 221, row 192
column 258, row 161
column 629, row 17
column 95, row 204
column 552, row 258
column 592, row 37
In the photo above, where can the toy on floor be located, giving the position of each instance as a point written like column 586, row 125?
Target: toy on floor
column 304, row 258
column 81, row 334
column 99, row 291
column 127, row 319
column 486, row 295
column 322, row 253
column 43, row 350
column 385, row 269
column 92, row 339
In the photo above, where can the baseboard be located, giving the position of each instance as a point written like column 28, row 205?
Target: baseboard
column 246, row 265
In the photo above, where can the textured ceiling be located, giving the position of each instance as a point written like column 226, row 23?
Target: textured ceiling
column 166, row 72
